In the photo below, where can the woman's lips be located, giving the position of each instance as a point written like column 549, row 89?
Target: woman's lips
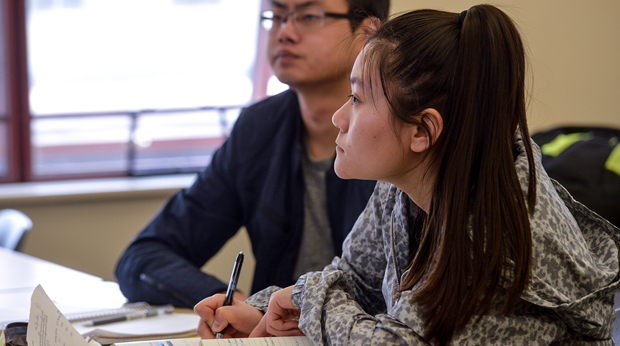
column 339, row 148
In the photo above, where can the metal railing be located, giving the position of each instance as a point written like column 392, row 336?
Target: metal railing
column 132, row 145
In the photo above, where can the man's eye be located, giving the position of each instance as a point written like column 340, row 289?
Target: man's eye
column 307, row 18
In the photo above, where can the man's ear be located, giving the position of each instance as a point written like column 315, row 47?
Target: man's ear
column 421, row 139
column 369, row 25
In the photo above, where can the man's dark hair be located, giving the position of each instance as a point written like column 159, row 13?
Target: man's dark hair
column 361, row 9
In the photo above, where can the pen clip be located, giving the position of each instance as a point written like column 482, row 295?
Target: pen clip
column 159, row 310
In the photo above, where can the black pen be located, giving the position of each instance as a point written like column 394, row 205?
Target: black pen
column 165, row 289
column 150, row 312
column 232, row 286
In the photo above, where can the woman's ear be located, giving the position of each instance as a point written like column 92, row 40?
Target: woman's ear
column 421, row 139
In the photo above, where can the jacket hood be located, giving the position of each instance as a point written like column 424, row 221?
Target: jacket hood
column 574, row 256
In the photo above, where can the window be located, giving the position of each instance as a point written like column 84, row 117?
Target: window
column 127, row 87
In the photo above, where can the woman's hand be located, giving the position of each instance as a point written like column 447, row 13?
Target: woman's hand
column 281, row 319
column 236, row 320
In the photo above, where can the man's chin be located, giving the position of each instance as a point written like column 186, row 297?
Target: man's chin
column 290, row 75
column 287, row 78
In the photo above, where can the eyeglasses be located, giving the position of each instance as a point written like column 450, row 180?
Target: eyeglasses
column 306, row 19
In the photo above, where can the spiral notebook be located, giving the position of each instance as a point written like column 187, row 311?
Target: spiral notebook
column 85, row 315
column 94, row 314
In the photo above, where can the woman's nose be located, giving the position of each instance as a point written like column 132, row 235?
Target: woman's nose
column 340, row 118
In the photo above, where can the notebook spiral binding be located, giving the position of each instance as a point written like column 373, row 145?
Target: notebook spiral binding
column 94, row 314
column 89, row 315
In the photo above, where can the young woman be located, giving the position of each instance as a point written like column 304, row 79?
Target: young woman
column 466, row 240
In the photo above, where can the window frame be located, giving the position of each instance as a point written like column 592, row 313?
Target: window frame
column 18, row 115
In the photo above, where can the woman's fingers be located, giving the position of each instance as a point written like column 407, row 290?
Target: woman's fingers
column 237, row 320
column 204, row 331
column 260, row 330
column 205, row 309
column 281, row 318
column 282, row 321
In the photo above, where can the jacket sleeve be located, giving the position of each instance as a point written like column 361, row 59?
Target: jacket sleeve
column 330, row 315
column 192, row 226
column 344, row 303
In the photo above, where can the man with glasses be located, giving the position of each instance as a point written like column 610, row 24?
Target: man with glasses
column 274, row 175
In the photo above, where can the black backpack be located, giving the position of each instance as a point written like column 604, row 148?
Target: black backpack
column 586, row 161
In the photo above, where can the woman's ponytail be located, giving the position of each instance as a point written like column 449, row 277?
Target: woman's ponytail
column 470, row 67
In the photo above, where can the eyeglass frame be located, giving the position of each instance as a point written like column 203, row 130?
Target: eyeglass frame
column 286, row 15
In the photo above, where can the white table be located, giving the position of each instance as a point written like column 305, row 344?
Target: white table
column 71, row 290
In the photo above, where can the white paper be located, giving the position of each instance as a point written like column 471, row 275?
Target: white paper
column 47, row 326
column 273, row 341
column 164, row 342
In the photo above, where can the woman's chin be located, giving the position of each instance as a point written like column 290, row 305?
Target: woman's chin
column 341, row 172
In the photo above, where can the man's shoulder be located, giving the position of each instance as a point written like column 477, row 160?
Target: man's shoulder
column 273, row 108
column 267, row 124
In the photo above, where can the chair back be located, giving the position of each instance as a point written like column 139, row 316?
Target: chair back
column 14, row 226
column 616, row 329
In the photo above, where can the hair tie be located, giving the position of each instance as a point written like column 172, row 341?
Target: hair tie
column 462, row 17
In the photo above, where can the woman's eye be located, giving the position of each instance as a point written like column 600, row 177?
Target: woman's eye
column 354, row 99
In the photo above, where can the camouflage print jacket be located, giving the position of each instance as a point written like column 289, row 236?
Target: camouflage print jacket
column 569, row 300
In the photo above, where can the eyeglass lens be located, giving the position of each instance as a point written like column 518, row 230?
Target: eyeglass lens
column 304, row 19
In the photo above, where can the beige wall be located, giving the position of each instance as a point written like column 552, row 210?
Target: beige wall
column 575, row 52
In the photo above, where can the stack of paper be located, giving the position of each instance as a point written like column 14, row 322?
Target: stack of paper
column 47, row 326
column 167, row 326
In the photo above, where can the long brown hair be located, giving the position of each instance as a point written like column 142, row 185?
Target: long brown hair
column 471, row 68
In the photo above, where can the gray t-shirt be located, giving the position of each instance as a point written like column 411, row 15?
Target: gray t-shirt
column 317, row 249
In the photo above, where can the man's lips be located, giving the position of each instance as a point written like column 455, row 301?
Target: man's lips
column 286, row 55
